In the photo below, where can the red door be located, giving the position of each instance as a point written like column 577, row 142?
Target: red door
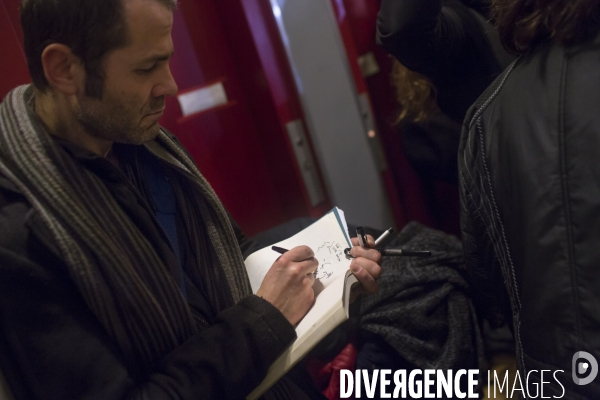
column 240, row 144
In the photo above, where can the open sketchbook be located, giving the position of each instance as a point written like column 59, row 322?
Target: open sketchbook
column 328, row 237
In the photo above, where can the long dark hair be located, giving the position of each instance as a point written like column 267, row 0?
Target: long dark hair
column 523, row 24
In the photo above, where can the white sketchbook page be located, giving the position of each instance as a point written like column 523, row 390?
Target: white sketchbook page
column 327, row 240
column 330, row 298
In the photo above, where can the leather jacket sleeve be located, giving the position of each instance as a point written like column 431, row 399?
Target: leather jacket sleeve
column 447, row 42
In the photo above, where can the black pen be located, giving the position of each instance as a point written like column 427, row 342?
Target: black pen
column 398, row 252
column 280, row 250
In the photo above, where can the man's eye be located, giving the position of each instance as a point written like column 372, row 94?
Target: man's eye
column 146, row 70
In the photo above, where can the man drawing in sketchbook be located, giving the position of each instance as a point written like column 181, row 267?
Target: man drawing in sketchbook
column 121, row 274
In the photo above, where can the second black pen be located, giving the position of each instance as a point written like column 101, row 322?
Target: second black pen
column 398, row 252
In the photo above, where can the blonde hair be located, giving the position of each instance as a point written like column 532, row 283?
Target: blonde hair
column 415, row 93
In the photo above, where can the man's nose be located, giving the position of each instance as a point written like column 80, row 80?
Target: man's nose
column 166, row 86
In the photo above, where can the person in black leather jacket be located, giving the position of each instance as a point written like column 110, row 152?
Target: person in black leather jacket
column 530, row 193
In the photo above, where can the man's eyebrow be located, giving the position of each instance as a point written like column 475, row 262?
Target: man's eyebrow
column 157, row 57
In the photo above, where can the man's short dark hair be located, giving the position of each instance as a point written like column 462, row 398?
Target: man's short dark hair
column 523, row 24
column 91, row 28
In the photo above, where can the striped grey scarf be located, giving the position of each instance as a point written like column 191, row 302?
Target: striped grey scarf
column 118, row 273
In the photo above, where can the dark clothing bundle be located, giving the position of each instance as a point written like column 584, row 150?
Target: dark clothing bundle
column 90, row 299
column 423, row 310
column 530, row 194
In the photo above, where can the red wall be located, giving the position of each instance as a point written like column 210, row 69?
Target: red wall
column 13, row 68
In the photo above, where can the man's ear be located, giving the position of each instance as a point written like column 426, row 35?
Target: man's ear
column 63, row 69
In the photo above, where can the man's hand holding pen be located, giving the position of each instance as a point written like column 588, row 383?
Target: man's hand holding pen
column 362, row 240
column 365, row 265
column 289, row 283
column 364, row 250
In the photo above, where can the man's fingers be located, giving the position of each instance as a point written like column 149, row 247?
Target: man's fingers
column 310, row 279
column 299, row 253
column 372, row 268
column 370, row 241
column 367, row 272
column 369, row 254
column 300, row 268
column 307, row 267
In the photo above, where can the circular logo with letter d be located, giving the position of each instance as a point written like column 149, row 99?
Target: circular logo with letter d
column 581, row 367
